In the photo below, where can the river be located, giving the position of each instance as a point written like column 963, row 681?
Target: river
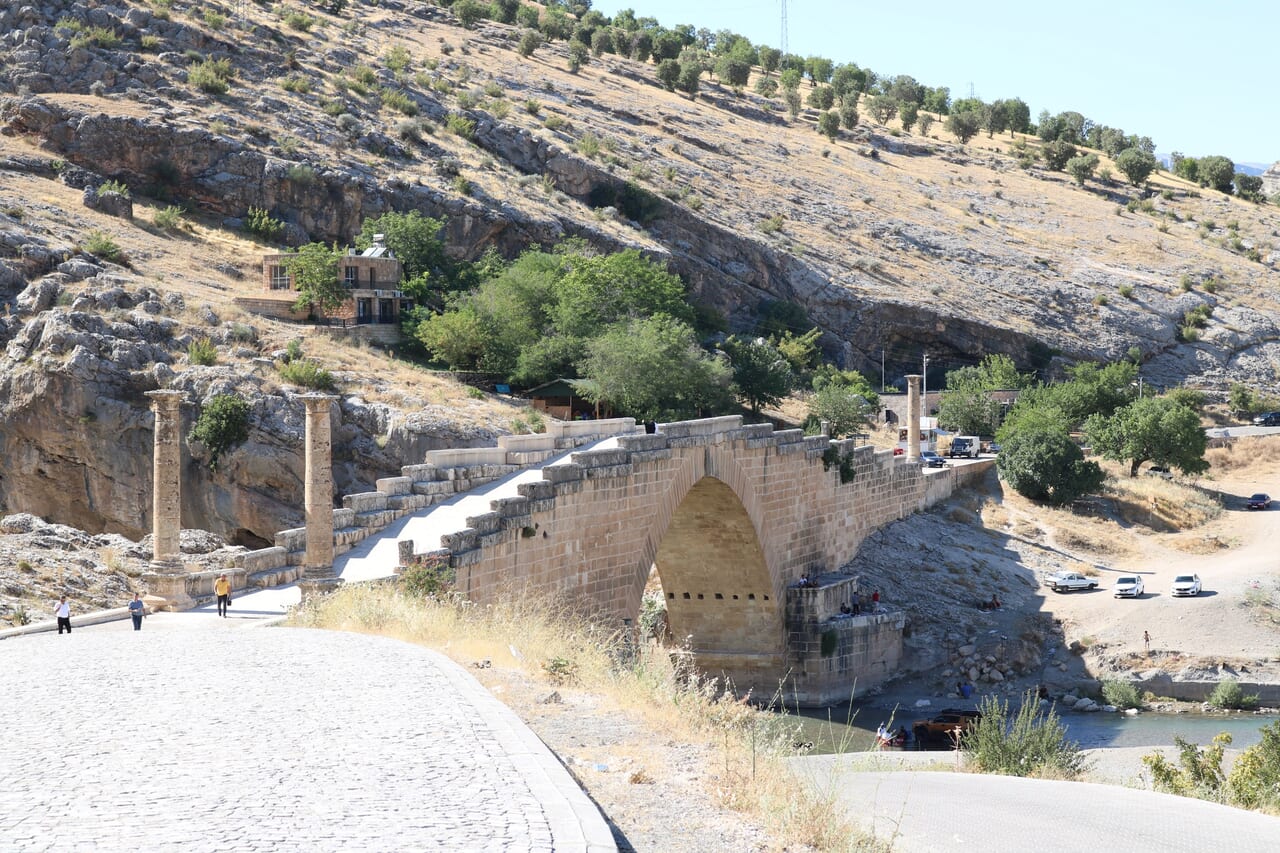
column 848, row 728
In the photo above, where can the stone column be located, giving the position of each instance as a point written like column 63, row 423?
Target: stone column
column 913, row 417
column 167, row 577
column 317, row 565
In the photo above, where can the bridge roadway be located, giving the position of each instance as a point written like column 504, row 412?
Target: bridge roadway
column 196, row 733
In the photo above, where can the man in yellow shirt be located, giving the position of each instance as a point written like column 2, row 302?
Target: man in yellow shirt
column 222, row 588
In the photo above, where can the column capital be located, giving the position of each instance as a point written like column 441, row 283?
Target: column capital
column 318, row 402
column 166, row 398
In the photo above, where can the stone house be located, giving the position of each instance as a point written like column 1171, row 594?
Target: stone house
column 372, row 278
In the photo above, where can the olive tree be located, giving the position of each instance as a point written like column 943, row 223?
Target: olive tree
column 1152, row 429
column 1136, row 164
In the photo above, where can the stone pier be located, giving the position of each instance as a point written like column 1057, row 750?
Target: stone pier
column 168, row 577
column 317, row 565
column 913, row 417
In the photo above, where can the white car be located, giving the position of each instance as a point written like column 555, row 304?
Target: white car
column 1067, row 581
column 1129, row 586
column 1186, row 585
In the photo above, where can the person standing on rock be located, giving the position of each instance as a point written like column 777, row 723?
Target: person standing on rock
column 222, row 588
column 1146, row 641
column 136, row 610
column 63, row 612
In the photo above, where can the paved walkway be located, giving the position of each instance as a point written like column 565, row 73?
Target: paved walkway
column 203, row 733
column 939, row 812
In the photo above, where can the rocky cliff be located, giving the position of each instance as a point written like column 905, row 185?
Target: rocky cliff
column 893, row 242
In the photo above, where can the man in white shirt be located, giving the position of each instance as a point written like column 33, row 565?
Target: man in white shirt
column 63, row 612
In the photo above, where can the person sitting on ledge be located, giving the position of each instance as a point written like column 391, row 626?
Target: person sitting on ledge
column 844, row 609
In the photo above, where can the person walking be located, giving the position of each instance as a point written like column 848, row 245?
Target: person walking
column 1146, row 641
column 63, row 612
column 222, row 588
column 136, row 610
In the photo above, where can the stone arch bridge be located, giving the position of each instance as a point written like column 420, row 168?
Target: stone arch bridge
column 731, row 517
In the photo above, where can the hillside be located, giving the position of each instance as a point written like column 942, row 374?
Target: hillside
column 892, row 242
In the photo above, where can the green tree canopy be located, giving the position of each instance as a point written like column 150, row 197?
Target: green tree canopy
column 1216, row 171
column 845, row 409
column 414, row 238
column 599, row 291
column 964, row 125
column 1044, row 464
column 829, row 124
column 828, row 375
column 1057, row 153
column 1082, row 168
column 653, row 369
column 1137, row 165
column 1153, row 429
column 967, row 405
column 314, row 268
column 761, row 374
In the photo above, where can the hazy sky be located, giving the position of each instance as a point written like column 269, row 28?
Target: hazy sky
column 1197, row 77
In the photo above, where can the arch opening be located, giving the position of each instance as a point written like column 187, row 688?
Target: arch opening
column 717, row 588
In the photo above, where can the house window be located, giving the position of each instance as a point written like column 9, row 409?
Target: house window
column 280, row 278
column 350, row 276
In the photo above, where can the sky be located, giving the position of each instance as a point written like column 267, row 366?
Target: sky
column 1197, row 77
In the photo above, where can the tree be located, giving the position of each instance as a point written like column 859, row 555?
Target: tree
column 530, row 40
column 908, row 112
column 829, row 124
column 938, row 100
column 600, row 291
column 828, row 375
column 995, row 118
column 967, row 405
column 1082, row 168
column 455, row 337
column 653, row 369
column 822, row 98
column 690, row 71
column 848, row 81
column 882, row 107
column 1155, row 429
column 1185, row 167
column 790, row 79
column 905, row 88
column 819, row 69
column 1255, row 777
column 1216, row 171
column 964, row 125
column 223, row 423
column 1018, row 115
column 848, row 115
column 1248, row 187
column 1137, row 165
column 579, row 55
column 669, row 74
column 733, row 71
column 314, row 270
column 415, row 240
column 800, row 351
column 504, row 11
column 925, row 122
column 1044, row 464
column 1057, row 153
column 761, row 374
column 468, row 12
column 769, row 59
column 843, row 407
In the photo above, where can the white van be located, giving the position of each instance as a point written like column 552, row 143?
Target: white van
column 965, row 445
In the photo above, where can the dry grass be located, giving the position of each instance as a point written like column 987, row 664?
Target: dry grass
column 1242, row 454
column 1159, row 505
column 545, row 642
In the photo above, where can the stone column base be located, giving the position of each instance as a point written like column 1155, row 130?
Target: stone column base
column 168, row 581
column 316, row 587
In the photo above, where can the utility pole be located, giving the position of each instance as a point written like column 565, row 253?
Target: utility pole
column 784, row 29
column 882, row 370
column 924, row 388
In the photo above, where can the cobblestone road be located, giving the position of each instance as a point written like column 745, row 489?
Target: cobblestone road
column 235, row 738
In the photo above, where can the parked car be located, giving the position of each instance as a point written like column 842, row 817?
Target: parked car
column 944, row 727
column 1067, row 581
column 1186, row 585
column 1129, row 586
column 1267, row 419
column 932, row 460
column 1259, row 501
column 1160, row 471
